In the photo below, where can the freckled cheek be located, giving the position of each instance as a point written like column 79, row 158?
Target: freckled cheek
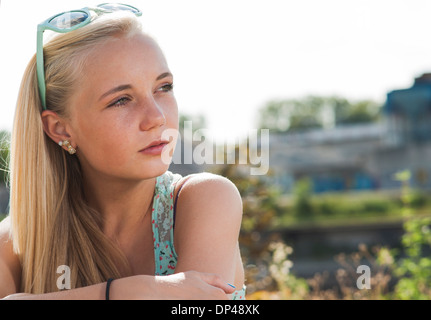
column 103, row 144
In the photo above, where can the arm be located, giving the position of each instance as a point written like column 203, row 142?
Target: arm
column 187, row 285
column 208, row 221
column 10, row 271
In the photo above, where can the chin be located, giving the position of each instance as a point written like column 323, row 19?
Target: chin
column 155, row 168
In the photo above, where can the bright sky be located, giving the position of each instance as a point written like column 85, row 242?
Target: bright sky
column 229, row 57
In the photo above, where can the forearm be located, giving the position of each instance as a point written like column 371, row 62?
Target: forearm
column 187, row 285
column 93, row 292
column 136, row 287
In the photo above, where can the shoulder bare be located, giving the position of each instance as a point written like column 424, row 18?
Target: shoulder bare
column 9, row 263
column 206, row 189
column 208, row 222
column 209, row 180
column 5, row 230
column 6, row 245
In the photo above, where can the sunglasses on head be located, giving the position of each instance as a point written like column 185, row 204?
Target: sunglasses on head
column 68, row 21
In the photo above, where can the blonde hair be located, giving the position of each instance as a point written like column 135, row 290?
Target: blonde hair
column 51, row 223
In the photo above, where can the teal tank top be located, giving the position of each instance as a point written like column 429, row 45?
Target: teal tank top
column 163, row 220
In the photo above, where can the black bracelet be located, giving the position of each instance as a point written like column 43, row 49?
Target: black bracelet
column 108, row 285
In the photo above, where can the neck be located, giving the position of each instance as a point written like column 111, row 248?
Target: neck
column 122, row 204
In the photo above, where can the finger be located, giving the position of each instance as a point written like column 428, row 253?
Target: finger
column 216, row 281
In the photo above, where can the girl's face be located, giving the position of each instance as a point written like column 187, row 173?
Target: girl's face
column 123, row 104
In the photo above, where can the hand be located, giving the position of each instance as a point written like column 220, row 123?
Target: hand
column 195, row 286
column 190, row 285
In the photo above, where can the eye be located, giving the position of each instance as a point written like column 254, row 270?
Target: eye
column 120, row 102
column 167, row 87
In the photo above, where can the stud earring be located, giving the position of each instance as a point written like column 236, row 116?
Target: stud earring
column 69, row 147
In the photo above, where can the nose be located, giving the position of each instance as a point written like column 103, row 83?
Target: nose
column 152, row 116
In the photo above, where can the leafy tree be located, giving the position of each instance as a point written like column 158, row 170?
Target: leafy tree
column 347, row 112
column 287, row 115
column 198, row 121
column 4, row 156
column 4, row 165
column 316, row 112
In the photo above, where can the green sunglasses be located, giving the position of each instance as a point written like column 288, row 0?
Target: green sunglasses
column 65, row 22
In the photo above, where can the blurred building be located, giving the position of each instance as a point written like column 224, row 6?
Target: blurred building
column 363, row 156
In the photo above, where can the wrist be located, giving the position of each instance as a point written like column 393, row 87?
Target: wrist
column 108, row 287
column 139, row 287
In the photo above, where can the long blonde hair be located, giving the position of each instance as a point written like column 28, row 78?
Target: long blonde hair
column 51, row 223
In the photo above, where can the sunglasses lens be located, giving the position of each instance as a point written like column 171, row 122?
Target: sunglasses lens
column 68, row 20
column 118, row 7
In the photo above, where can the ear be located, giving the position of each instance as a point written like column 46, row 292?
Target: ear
column 55, row 127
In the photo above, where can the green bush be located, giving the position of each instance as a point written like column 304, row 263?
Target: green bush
column 418, row 200
column 326, row 208
column 414, row 271
column 377, row 206
column 302, row 207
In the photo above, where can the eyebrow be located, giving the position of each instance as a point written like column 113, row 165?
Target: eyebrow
column 164, row 75
column 116, row 89
column 128, row 86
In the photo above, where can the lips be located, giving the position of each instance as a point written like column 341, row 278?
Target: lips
column 155, row 147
